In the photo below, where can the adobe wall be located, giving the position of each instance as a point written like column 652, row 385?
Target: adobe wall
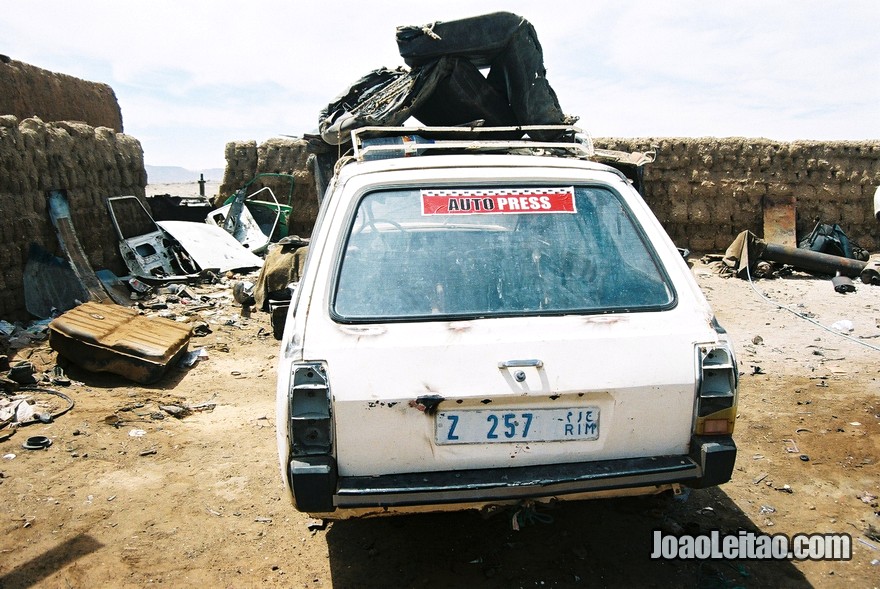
column 29, row 91
column 90, row 163
column 705, row 191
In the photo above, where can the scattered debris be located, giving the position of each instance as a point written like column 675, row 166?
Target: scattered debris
column 868, row 544
column 59, row 378
column 844, row 325
column 23, row 373
column 316, row 524
column 871, row 273
column 175, row 410
column 742, row 256
column 29, row 406
column 526, row 513
column 843, row 284
column 37, row 443
column 831, row 239
column 189, row 359
column 251, row 218
column 866, row 497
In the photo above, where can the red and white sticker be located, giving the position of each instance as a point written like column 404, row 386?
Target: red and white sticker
column 498, row 200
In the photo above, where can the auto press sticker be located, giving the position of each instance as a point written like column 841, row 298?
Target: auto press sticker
column 498, row 200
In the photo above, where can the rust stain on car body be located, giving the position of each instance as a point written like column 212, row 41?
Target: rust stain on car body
column 427, row 404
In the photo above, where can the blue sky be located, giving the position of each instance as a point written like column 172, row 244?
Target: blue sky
column 191, row 76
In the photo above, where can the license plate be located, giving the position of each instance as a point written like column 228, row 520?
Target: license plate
column 481, row 426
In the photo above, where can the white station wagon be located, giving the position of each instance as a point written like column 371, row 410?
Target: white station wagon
column 490, row 322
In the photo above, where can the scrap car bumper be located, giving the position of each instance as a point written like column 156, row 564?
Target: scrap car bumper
column 317, row 488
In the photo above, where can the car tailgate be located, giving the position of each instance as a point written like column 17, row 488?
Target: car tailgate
column 393, row 385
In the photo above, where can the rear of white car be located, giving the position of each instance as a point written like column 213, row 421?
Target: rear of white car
column 479, row 330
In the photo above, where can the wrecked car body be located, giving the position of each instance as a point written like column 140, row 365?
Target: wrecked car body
column 172, row 250
column 210, row 247
column 146, row 250
column 482, row 323
column 251, row 219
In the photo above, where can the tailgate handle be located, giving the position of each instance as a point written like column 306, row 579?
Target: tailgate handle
column 520, row 363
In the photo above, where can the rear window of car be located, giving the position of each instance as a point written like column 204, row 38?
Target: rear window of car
column 495, row 251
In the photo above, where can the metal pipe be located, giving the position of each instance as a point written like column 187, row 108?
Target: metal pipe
column 809, row 260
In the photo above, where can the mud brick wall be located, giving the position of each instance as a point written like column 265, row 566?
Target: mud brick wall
column 246, row 159
column 705, row 191
column 29, row 91
column 90, row 164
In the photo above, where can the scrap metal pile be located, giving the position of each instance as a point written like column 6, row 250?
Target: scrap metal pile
column 95, row 319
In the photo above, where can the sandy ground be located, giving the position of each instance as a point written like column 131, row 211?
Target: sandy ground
column 124, row 499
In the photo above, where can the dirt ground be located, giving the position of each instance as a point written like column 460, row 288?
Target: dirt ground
column 124, row 499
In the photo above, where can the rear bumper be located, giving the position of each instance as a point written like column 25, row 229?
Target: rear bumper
column 512, row 483
column 317, row 488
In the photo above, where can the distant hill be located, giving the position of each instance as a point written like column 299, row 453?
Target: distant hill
column 175, row 174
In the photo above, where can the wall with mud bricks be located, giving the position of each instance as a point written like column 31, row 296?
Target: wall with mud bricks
column 90, row 164
column 29, row 91
column 705, row 191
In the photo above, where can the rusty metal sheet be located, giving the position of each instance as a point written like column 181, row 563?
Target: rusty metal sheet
column 59, row 213
column 111, row 338
column 780, row 220
column 50, row 284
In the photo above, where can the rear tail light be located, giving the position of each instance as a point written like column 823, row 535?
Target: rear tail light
column 309, row 400
column 716, row 390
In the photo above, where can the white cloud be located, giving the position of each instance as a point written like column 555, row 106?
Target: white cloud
column 192, row 75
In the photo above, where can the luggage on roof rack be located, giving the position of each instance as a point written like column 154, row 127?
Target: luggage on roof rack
column 445, row 86
column 504, row 42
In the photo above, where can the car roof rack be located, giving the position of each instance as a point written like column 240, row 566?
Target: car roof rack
column 383, row 142
column 389, row 142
